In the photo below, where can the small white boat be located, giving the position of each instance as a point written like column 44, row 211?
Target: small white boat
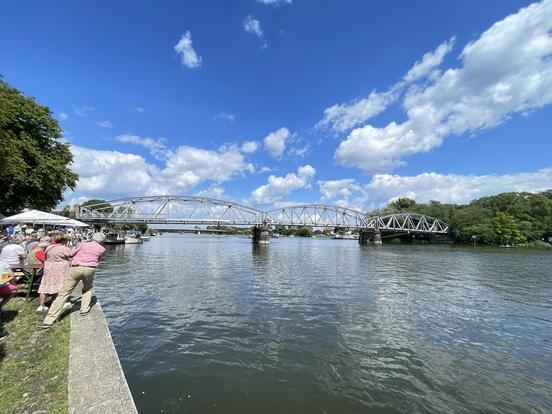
column 114, row 238
column 143, row 237
column 132, row 240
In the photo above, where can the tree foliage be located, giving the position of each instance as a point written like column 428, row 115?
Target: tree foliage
column 507, row 218
column 34, row 162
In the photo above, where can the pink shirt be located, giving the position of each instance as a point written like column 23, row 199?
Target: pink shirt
column 87, row 254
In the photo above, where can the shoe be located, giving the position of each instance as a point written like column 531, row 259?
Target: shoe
column 84, row 313
column 4, row 335
column 41, row 309
column 67, row 305
column 42, row 325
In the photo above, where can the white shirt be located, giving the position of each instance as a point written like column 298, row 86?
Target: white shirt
column 10, row 254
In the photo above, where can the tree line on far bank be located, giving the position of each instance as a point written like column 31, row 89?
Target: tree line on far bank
column 503, row 219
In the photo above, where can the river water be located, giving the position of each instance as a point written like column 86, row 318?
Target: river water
column 215, row 325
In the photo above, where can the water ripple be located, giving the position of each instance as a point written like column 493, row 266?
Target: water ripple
column 216, row 325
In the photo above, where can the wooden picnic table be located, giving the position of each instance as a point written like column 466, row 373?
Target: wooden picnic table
column 29, row 273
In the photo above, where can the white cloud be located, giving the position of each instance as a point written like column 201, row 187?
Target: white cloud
column 455, row 188
column 344, row 188
column 275, row 2
column 212, row 165
column 275, row 142
column 83, row 111
column 213, row 191
column 342, row 117
column 446, row 188
column 430, row 61
column 62, row 116
column 249, row 147
column 104, row 124
column 137, row 109
column 156, row 146
column 111, row 173
column 226, row 117
column 507, row 70
column 252, row 25
column 188, row 55
column 105, row 174
column 279, row 187
column 300, row 152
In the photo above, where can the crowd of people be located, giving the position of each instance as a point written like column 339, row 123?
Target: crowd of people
column 65, row 258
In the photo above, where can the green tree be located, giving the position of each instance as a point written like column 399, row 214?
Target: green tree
column 34, row 162
column 506, row 229
column 403, row 204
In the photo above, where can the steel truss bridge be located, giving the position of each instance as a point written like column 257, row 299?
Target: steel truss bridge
column 181, row 210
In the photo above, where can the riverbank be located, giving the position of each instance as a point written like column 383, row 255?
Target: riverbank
column 34, row 364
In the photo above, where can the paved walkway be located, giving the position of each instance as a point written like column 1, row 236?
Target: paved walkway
column 97, row 383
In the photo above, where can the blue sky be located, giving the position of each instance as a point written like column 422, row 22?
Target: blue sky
column 276, row 102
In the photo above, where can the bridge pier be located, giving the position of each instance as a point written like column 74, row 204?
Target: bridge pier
column 372, row 236
column 261, row 234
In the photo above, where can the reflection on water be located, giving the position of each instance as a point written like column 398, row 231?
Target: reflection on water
column 217, row 325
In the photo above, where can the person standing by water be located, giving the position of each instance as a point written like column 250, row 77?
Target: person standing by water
column 55, row 269
column 86, row 257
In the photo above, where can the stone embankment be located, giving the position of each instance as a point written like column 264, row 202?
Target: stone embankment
column 97, row 383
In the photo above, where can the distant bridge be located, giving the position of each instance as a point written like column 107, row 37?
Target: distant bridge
column 209, row 211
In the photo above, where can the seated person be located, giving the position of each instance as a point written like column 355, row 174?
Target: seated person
column 7, row 291
column 37, row 255
column 13, row 253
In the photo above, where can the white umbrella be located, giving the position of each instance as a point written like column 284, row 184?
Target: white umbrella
column 41, row 217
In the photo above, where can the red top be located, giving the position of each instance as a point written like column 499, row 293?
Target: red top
column 41, row 255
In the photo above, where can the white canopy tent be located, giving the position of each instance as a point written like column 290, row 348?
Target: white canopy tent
column 41, row 217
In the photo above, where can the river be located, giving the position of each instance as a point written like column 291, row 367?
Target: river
column 216, row 325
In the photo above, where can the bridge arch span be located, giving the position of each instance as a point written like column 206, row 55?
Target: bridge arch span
column 178, row 209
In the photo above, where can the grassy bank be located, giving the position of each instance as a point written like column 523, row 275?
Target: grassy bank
column 33, row 364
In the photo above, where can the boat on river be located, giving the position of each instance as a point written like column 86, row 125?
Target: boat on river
column 114, row 238
column 132, row 240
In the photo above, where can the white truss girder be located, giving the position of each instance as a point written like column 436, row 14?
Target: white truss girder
column 407, row 222
column 202, row 210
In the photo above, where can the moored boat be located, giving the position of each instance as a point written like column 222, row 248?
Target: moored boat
column 114, row 238
column 132, row 240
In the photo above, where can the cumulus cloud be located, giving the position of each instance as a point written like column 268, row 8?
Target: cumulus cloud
column 62, row 116
column 430, row 62
column 188, row 56
column 111, row 173
column 83, row 111
column 275, row 142
column 213, row 191
column 507, row 70
column 156, row 146
column 342, row 117
column 332, row 189
column 253, row 26
column 114, row 174
column 446, row 188
column 454, row 188
column 280, row 187
column 249, row 147
column 105, row 124
column 208, row 164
